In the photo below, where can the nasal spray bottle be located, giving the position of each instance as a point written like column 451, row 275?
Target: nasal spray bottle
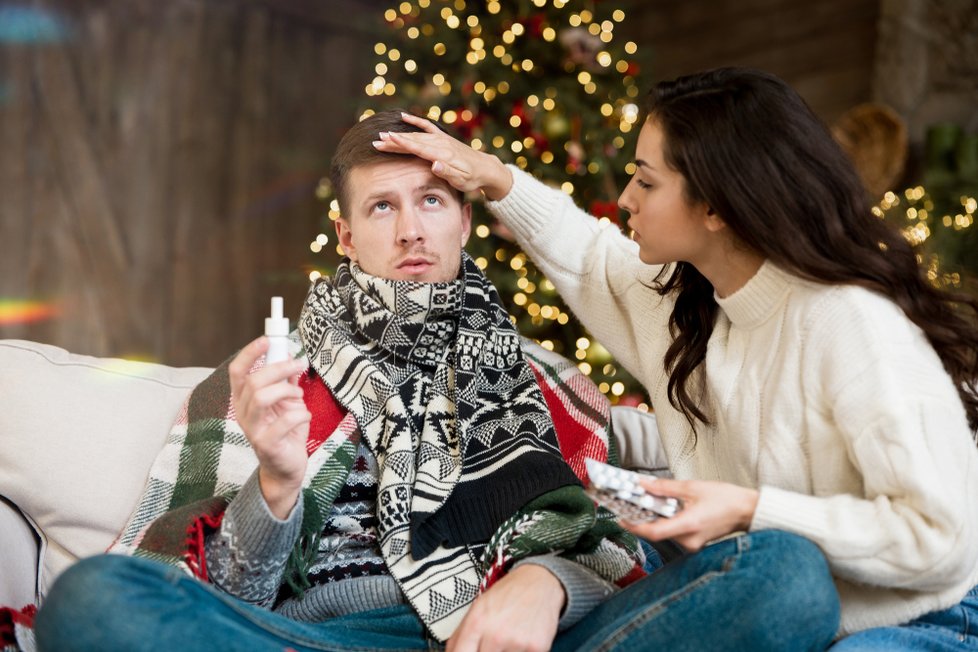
column 277, row 331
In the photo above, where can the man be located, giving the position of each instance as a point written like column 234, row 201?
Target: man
column 405, row 487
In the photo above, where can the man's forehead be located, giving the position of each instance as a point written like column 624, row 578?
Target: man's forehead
column 410, row 173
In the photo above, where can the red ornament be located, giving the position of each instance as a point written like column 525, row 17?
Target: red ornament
column 631, row 400
column 468, row 122
column 536, row 24
column 540, row 141
column 519, row 111
column 607, row 209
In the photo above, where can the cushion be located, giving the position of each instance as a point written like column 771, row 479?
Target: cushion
column 18, row 540
column 639, row 444
column 78, row 437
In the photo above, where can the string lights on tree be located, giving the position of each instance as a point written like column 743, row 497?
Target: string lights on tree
column 547, row 85
column 946, row 238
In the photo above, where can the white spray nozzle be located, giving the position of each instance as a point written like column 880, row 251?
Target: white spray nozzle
column 277, row 325
column 277, row 328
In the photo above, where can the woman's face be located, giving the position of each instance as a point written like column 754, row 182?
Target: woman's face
column 666, row 225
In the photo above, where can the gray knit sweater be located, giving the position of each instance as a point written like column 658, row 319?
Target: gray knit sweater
column 246, row 558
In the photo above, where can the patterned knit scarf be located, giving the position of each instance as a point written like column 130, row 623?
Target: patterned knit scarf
column 418, row 364
column 434, row 381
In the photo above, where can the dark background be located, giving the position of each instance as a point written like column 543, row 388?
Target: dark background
column 160, row 159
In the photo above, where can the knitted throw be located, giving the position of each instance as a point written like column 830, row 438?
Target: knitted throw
column 434, row 379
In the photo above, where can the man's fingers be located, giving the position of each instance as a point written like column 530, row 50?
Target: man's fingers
column 292, row 420
column 247, row 357
column 267, row 396
column 276, row 373
column 463, row 640
column 285, row 424
column 256, row 393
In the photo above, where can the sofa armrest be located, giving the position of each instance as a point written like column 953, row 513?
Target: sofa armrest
column 19, row 563
column 637, row 436
column 79, row 436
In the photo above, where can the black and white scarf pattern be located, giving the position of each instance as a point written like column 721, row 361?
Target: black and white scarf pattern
column 436, row 378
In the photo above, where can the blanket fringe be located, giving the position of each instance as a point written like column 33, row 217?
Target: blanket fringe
column 194, row 555
column 10, row 619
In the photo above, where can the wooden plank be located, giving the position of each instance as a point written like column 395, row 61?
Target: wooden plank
column 794, row 40
column 81, row 180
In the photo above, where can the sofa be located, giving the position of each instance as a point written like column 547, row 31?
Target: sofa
column 77, row 437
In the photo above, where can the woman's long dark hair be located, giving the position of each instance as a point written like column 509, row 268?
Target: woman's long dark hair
column 751, row 148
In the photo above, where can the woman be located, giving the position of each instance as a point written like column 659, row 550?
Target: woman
column 806, row 377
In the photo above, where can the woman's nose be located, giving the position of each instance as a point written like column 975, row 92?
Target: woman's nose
column 625, row 200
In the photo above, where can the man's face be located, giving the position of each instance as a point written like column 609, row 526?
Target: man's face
column 404, row 223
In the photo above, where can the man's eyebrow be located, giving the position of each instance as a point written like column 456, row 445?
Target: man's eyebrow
column 375, row 196
column 384, row 193
column 433, row 185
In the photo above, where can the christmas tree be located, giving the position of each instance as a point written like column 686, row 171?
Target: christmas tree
column 547, row 85
column 938, row 214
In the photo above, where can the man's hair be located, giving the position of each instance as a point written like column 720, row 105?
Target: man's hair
column 356, row 149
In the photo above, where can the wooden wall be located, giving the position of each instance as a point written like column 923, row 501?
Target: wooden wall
column 823, row 48
column 159, row 163
column 927, row 63
column 159, row 158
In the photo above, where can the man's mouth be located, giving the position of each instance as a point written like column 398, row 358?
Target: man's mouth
column 414, row 265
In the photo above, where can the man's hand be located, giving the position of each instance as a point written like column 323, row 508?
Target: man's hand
column 274, row 418
column 519, row 612
column 710, row 510
column 463, row 167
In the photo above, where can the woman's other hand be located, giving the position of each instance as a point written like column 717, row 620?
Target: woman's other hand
column 710, row 510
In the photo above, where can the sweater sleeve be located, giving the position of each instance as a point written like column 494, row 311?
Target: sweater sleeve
column 246, row 556
column 594, row 266
column 583, row 588
column 911, row 522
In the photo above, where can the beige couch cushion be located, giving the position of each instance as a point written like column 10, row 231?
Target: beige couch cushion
column 18, row 574
column 77, row 437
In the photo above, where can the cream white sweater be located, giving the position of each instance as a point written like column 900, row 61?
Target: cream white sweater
column 824, row 397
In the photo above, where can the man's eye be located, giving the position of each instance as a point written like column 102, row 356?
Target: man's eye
column 381, row 206
column 431, row 200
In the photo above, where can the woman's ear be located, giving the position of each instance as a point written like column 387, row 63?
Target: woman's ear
column 712, row 220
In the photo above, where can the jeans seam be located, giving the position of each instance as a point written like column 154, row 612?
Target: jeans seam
column 966, row 630
column 655, row 609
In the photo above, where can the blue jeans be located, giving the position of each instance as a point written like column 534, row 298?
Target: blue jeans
column 118, row 603
column 764, row 591
column 769, row 590
column 950, row 630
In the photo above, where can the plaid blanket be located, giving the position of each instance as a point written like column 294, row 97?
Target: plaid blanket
column 580, row 416
column 206, row 459
column 435, row 381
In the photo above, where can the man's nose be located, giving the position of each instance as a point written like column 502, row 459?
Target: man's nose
column 409, row 227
